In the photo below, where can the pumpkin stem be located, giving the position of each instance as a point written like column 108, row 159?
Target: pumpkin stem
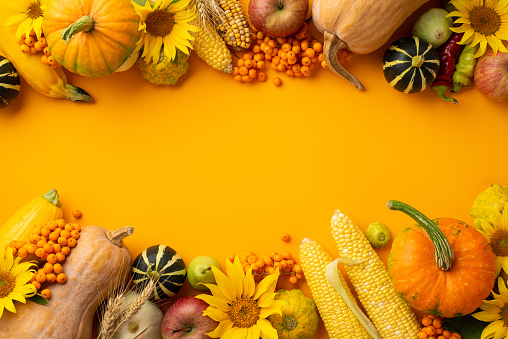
column 52, row 198
column 443, row 252
column 118, row 235
column 331, row 47
column 84, row 24
column 417, row 61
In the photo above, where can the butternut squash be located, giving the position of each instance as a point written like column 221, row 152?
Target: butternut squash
column 361, row 26
column 37, row 212
column 99, row 263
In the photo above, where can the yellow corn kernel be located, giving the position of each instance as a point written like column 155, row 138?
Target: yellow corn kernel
column 340, row 322
column 210, row 47
column 392, row 316
column 236, row 22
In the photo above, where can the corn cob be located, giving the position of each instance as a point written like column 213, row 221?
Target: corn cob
column 208, row 43
column 391, row 315
column 235, row 29
column 340, row 322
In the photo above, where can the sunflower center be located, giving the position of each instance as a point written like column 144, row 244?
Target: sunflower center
column 485, row 20
column 499, row 243
column 504, row 315
column 159, row 22
column 244, row 312
column 34, row 11
column 7, row 283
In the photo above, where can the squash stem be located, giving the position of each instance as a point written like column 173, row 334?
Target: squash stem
column 443, row 252
column 84, row 24
column 118, row 235
column 332, row 45
column 52, row 197
column 417, row 61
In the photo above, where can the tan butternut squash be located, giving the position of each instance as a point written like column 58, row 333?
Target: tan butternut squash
column 99, row 263
column 361, row 26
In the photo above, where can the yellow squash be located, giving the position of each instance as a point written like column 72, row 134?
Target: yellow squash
column 37, row 212
column 51, row 82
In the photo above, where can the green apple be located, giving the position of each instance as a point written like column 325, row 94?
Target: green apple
column 200, row 271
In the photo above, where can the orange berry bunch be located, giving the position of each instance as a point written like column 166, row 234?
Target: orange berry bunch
column 265, row 265
column 433, row 328
column 296, row 56
column 30, row 44
column 51, row 243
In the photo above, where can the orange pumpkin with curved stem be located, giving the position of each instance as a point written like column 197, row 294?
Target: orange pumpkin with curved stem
column 91, row 37
column 443, row 266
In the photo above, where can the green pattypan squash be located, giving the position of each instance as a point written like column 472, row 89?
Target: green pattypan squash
column 165, row 72
column 299, row 319
column 492, row 199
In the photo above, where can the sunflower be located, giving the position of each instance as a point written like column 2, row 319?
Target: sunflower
column 482, row 22
column 239, row 305
column 165, row 25
column 495, row 312
column 14, row 281
column 28, row 16
column 496, row 232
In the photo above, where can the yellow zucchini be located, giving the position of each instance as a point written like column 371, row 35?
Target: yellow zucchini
column 44, row 79
column 37, row 212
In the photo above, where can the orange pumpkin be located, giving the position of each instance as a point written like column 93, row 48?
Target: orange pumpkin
column 91, row 37
column 443, row 266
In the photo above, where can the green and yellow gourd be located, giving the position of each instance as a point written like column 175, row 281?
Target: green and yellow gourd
column 164, row 72
column 162, row 263
column 299, row 319
column 9, row 82
column 37, row 212
column 410, row 65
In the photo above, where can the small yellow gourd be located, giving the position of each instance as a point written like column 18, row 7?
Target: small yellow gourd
column 361, row 26
column 37, row 212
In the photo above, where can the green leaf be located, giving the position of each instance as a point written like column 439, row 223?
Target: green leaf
column 467, row 326
column 38, row 299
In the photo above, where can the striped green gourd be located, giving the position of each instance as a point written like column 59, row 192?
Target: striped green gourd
column 9, row 82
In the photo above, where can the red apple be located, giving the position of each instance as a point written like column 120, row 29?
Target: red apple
column 491, row 75
column 184, row 320
column 278, row 18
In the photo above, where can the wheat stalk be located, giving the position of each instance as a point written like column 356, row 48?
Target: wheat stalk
column 115, row 315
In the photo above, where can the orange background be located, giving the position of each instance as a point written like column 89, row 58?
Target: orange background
column 215, row 167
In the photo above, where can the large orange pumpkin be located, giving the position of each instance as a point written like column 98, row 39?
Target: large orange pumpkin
column 442, row 266
column 91, row 37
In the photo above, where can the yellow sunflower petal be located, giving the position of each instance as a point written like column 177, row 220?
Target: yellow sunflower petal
column 266, row 299
column 501, row 333
column 235, row 333
column 254, row 332
column 458, row 29
column 15, row 18
column 18, row 297
column 1, row 307
column 486, row 316
column 491, row 328
column 9, row 305
column 24, row 28
column 273, row 309
column 37, row 26
column 235, row 273
column 213, row 301
column 499, row 265
column 266, row 328
column 266, row 285
column 215, row 314
column 6, row 264
column 250, row 286
column 463, row 21
column 219, row 331
column 178, row 6
column 215, row 290
column 504, row 216
column 487, row 229
column 225, row 284
column 27, row 290
column 463, row 6
column 490, row 307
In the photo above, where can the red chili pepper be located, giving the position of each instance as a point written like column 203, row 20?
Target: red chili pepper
column 447, row 57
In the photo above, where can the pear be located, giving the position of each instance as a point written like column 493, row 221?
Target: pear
column 433, row 26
